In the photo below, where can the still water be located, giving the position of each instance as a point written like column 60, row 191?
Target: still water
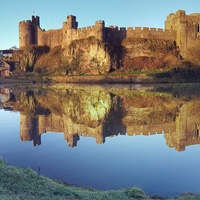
column 105, row 137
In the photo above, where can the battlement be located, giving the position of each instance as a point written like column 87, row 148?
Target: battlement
column 25, row 22
column 143, row 29
column 139, row 32
column 179, row 27
column 100, row 22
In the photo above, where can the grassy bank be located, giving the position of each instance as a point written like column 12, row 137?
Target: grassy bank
column 184, row 74
column 4, row 81
column 19, row 183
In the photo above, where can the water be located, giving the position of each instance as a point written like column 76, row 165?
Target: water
column 106, row 137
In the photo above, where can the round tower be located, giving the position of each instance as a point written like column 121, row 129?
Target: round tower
column 25, row 35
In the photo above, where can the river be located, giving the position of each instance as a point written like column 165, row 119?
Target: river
column 105, row 136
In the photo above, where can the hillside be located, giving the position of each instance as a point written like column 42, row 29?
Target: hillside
column 91, row 57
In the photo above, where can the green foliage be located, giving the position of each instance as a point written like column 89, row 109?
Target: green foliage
column 186, row 73
column 136, row 193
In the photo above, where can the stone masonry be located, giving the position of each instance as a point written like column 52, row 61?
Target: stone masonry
column 183, row 29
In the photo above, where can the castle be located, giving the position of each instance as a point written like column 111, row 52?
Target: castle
column 183, row 29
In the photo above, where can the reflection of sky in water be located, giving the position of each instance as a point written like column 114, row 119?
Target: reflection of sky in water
column 121, row 162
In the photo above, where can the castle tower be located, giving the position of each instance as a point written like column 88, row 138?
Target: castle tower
column 177, row 22
column 35, row 25
column 25, row 37
column 28, row 32
column 71, row 22
column 100, row 30
column 68, row 29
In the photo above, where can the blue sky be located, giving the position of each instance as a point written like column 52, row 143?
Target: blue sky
column 122, row 13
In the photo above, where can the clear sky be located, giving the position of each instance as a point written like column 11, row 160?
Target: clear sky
column 121, row 13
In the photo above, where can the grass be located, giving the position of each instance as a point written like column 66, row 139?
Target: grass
column 19, row 183
column 185, row 74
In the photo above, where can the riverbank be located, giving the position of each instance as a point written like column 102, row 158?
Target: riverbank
column 10, row 80
column 176, row 75
column 19, row 183
column 103, row 79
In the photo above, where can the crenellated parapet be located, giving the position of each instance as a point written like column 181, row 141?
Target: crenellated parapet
column 183, row 29
column 71, row 31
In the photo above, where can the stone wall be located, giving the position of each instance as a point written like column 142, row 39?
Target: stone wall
column 50, row 38
column 187, row 28
column 139, row 32
column 179, row 27
column 69, row 32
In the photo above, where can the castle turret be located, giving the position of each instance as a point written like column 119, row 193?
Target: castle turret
column 100, row 30
column 28, row 32
column 71, row 22
column 68, row 28
column 35, row 25
column 25, row 36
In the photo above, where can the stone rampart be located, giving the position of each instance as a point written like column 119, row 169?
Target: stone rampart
column 179, row 27
column 67, row 34
column 140, row 32
column 84, row 32
column 50, row 38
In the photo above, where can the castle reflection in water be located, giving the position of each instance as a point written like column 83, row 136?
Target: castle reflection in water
column 101, row 113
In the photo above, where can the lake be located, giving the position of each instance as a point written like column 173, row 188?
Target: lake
column 105, row 136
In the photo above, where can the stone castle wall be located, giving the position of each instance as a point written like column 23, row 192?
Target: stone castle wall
column 69, row 33
column 183, row 29
column 187, row 28
column 50, row 38
column 140, row 32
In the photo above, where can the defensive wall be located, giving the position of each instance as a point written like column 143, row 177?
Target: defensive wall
column 183, row 29
column 139, row 32
column 32, row 34
column 50, row 38
column 187, row 28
